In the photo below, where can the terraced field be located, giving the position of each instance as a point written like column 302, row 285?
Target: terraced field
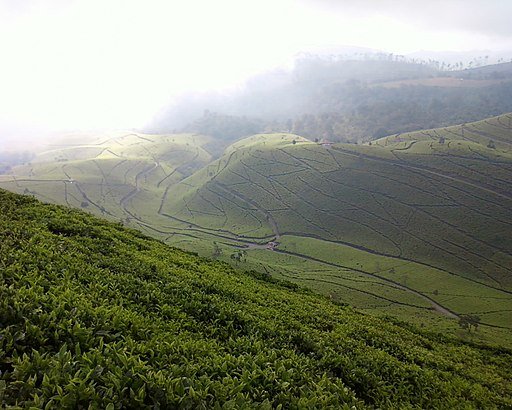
column 409, row 224
column 105, row 177
column 415, row 225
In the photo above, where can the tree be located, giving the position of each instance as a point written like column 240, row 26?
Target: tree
column 217, row 251
column 239, row 256
column 469, row 321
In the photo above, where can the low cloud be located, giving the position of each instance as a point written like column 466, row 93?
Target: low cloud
column 490, row 18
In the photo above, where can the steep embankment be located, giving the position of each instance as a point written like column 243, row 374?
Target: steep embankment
column 93, row 314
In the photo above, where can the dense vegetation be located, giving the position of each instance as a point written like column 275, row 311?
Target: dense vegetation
column 93, row 314
column 371, row 224
column 348, row 100
column 355, row 111
column 415, row 225
column 225, row 127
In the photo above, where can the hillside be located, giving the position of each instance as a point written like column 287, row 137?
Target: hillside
column 414, row 225
column 373, row 224
column 346, row 100
column 94, row 314
column 103, row 176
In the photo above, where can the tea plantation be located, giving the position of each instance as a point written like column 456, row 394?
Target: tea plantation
column 94, row 315
column 415, row 226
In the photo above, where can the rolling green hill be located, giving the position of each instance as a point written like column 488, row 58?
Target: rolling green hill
column 96, row 315
column 414, row 225
column 425, row 213
column 105, row 175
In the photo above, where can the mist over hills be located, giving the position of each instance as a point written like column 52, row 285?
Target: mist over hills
column 217, row 205
column 347, row 99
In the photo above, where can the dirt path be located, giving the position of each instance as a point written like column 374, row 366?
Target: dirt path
column 124, row 200
column 436, row 306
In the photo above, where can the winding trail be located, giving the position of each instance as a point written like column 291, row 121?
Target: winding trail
column 248, row 244
column 435, row 305
column 268, row 216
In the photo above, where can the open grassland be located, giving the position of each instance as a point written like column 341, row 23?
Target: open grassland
column 96, row 315
column 416, row 225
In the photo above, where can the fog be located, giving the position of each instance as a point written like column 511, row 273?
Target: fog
column 121, row 64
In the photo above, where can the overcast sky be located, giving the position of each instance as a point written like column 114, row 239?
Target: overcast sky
column 72, row 64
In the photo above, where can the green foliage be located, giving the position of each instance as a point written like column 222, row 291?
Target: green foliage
column 225, row 127
column 469, row 321
column 239, row 256
column 97, row 316
column 357, row 223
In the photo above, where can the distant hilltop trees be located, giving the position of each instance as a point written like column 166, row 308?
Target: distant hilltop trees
column 356, row 97
column 477, row 61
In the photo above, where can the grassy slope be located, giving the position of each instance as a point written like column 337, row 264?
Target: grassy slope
column 356, row 221
column 105, row 176
column 407, row 226
column 92, row 314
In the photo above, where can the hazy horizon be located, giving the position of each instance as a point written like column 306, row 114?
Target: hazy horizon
column 93, row 65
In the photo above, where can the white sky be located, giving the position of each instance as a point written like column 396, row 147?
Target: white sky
column 71, row 64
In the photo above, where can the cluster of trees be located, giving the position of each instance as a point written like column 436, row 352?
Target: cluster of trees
column 354, row 111
column 341, row 100
column 431, row 63
column 469, row 321
column 225, row 127
column 502, row 71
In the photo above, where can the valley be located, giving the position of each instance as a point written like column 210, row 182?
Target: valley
column 285, row 205
column 415, row 225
